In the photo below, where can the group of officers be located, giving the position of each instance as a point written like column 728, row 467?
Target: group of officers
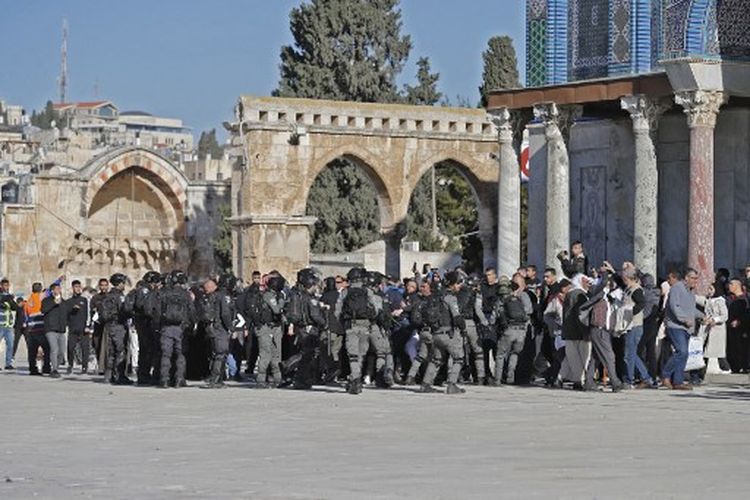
column 447, row 313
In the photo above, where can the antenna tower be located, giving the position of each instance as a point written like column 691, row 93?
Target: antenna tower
column 62, row 80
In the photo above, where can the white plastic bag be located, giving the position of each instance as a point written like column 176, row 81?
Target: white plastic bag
column 695, row 354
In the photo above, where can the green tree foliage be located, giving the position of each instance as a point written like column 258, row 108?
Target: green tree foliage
column 456, row 213
column 500, row 66
column 222, row 242
column 344, row 50
column 44, row 118
column 425, row 92
column 354, row 50
column 345, row 202
column 207, row 143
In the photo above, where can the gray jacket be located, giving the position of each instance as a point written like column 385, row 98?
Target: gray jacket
column 681, row 308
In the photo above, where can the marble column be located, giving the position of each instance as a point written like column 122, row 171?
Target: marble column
column 645, row 113
column 508, row 197
column 558, row 185
column 701, row 108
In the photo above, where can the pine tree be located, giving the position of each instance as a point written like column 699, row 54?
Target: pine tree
column 344, row 50
column 207, row 143
column 44, row 118
column 222, row 242
column 425, row 93
column 500, row 67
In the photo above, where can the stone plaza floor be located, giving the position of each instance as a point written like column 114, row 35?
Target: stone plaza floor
column 78, row 438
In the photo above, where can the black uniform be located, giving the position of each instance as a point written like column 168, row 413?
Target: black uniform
column 114, row 319
column 175, row 313
column 304, row 312
column 218, row 316
column 78, row 332
column 98, row 326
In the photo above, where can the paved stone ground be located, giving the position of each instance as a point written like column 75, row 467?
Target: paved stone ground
column 79, row 438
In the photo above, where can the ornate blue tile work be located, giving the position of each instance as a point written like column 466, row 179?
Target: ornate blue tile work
column 733, row 18
column 557, row 41
column 620, row 36
column 588, row 39
column 580, row 39
column 536, row 43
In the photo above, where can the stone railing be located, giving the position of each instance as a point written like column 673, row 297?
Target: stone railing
column 345, row 117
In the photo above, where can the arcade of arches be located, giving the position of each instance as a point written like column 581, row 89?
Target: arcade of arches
column 129, row 210
column 287, row 142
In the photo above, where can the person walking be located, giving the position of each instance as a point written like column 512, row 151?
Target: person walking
column 55, row 324
column 7, row 321
column 635, row 299
column 35, row 337
column 714, row 329
column 680, row 318
column 79, row 335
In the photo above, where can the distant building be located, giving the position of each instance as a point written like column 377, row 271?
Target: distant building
column 147, row 130
column 209, row 169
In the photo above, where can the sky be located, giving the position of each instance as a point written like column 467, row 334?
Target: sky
column 192, row 59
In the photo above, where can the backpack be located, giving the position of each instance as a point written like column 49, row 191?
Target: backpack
column 252, row 307
column 109, row 308
column 466, row 300
column 357, row 305
column 174, row 310
column 294, row 309
column 514, row 310
column 435, row 312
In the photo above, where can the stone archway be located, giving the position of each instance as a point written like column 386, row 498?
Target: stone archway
column 288, row 142
column 133, row 213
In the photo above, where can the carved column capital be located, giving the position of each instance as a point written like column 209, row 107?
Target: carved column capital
column 701, row 106
column 557, row 119
column 502, row 119
column 645, row 111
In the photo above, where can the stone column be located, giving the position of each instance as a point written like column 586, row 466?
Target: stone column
column 508, row 197
column 645, row 114
column 558, row 185
column 701, row 108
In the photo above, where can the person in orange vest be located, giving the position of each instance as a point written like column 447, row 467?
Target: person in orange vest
column 35, row 337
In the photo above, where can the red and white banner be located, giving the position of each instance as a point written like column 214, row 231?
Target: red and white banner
column 525, row 173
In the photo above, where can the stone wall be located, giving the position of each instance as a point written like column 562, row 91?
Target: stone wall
column 290, row 141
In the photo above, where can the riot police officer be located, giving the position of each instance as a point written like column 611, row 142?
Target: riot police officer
column 470, row 305
column 114, row 318
column 217, row 316
column 270, row 331
column 357, row 310
column 139, row 305
column 380, row 338
column 175, row 313
column 305, row 313
column 441, row 314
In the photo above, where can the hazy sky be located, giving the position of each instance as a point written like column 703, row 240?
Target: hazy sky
column 191, row 59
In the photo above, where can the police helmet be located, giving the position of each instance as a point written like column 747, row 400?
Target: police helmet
column 375, row 278
column 151, row 277
column 307, row 277
column 228, row 282
column 118, row 279
column 452, row 278
column 177, row 277
column 356, row 274
column 276, row 283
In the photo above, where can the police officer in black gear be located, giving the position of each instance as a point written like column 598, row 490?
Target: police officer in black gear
column 305, row 313
column 114, row 317
column 470, row 305
column 232, row 287
column 175, row 314
column 139, row 303
column 217, row 311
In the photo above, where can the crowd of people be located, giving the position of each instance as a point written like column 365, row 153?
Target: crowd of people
column 588, row 329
